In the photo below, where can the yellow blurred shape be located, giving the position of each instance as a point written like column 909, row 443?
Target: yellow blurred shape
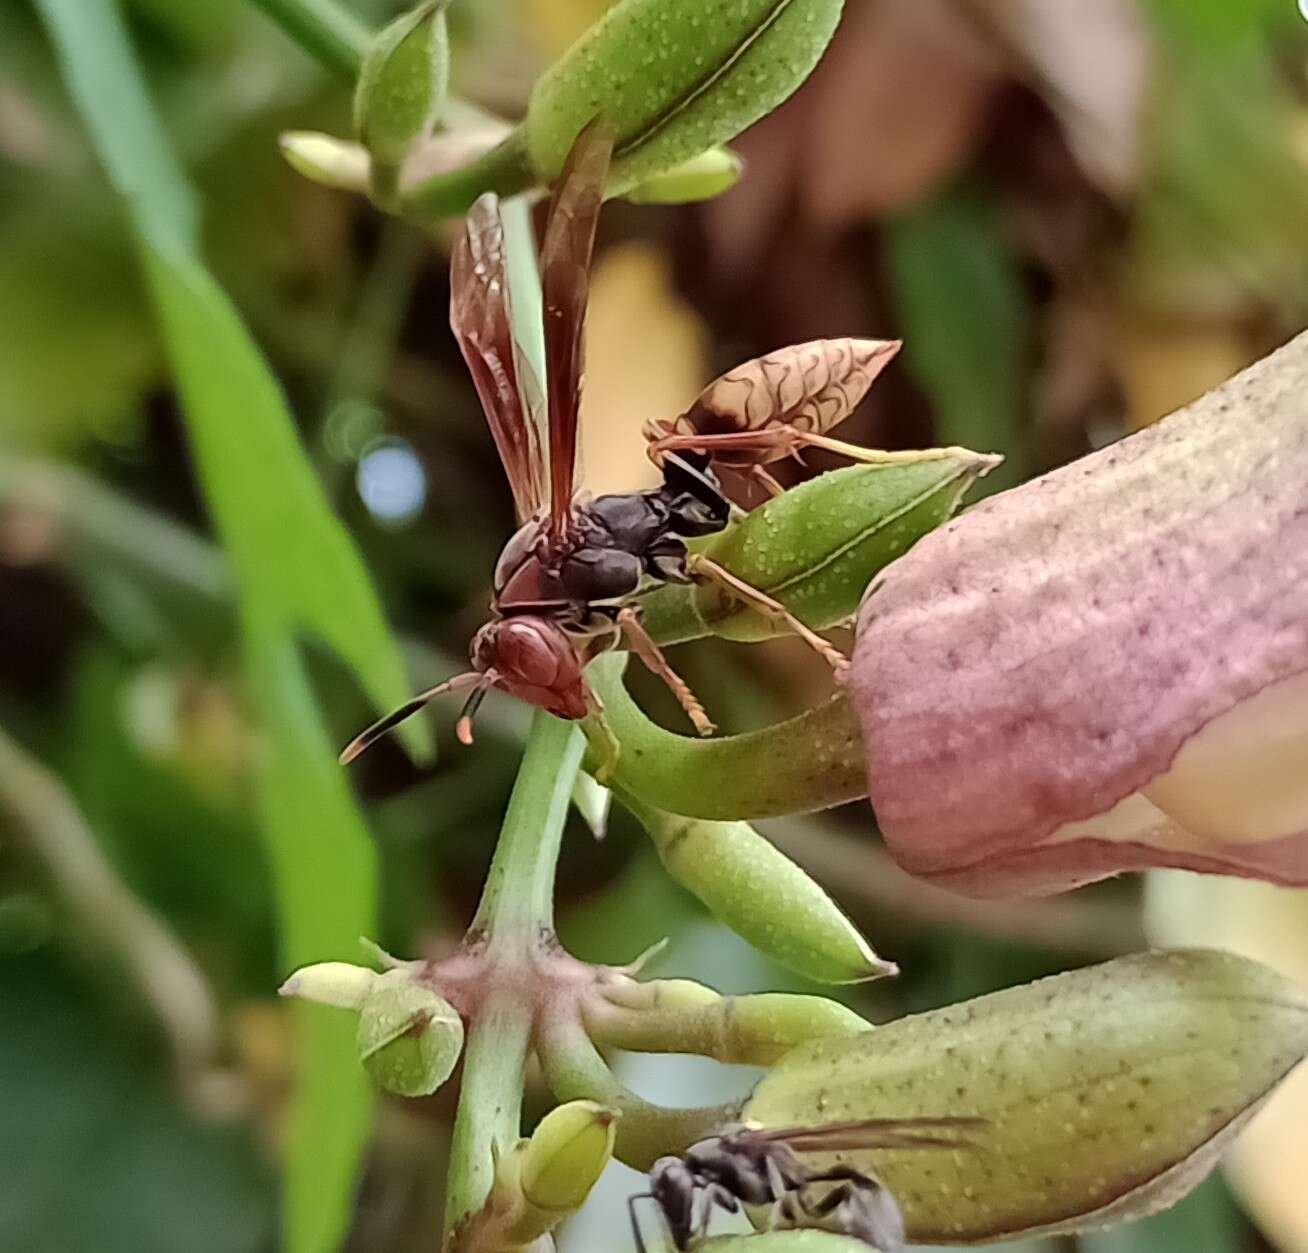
column 644, row 359
column 1164, row 364
column 1269, row 1162
column 554, row 25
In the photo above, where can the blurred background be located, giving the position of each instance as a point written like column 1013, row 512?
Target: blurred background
column 1077, row 216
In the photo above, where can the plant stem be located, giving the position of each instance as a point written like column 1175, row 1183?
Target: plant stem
column 515, row 914
column 517, row 901
column 329, row 33
column 576, row 1070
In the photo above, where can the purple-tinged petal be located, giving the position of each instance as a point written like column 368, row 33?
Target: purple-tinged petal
column 1028, row 676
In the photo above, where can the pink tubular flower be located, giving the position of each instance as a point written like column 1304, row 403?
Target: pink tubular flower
column 1106, row 669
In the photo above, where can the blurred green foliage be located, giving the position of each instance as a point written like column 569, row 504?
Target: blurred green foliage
column 122, row 668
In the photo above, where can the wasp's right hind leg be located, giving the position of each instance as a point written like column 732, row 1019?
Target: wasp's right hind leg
column 643, row 645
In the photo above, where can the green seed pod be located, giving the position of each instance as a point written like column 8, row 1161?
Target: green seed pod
column 701, row 178
column 752, row 1030
column 1108, row 1092
column 675, row 77
column 815, row 548
column 326, row 160
column 763, row 896
column 403, row 84
column 812, row 761
column 409, row 1037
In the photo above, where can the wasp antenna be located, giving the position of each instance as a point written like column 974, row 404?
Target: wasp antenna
column 365, row 739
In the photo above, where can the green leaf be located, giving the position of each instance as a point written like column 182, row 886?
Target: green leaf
column 295, row 570
column 965, row 324
column 676, row 77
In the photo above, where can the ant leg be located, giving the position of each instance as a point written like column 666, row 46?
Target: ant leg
column 643, row 645
column 706, row 568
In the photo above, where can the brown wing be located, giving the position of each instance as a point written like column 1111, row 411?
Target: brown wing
column 481, row 320
column 565, row 280
column 877, row 1133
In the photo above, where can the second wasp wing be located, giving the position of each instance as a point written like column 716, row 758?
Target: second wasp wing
column 565, row 284
column 875, row 1133
column 481, row 318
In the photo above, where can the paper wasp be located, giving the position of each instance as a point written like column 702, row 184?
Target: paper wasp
column 761, row 1166
column 566, row 583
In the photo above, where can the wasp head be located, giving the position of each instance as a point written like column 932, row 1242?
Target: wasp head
column 533, row 658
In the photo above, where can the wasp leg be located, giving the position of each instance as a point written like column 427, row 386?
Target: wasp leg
column 715, row 1195
column 773, row 443
column 704, row 567
column 770, row 485
column 863, row 1207
column 607, row 746
column 643, row 645
column 635, row 1221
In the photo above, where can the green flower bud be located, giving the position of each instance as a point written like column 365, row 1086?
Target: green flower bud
column 566, row 1155
column 701, row 178
column 753, row 1030
column 1108, row 1092
column 815, row 548
column 763, row 896
column 403, row 84
column 540, row 1181
column 409, row 1037
column 675, row 77
column 326, row 160
column 332, row 983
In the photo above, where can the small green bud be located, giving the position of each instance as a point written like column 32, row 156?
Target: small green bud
column 676, row 77
column 326, row 160
column 332, row 983
column 409, row 1037
column 763, row 896
column 403, row 84
column 1107, row 1093
column 540, row 1181
column 701, row 178
column 753, row 1030
column 566, row 1155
